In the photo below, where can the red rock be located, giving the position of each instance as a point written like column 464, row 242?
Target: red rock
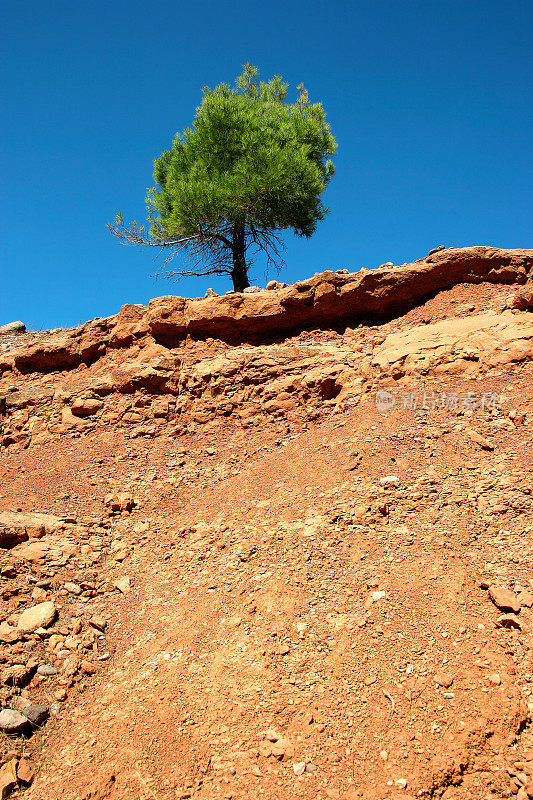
column 525, row 599
column 504, row 598
column 327, row 297
column 26, row 771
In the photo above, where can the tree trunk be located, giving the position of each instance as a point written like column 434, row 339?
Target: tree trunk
column 239, row 273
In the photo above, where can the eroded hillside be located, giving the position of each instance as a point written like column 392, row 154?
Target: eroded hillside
column 276, row 544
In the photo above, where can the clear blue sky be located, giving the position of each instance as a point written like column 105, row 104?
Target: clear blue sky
column 430, row 102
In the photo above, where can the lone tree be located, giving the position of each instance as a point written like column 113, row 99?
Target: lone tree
column 251, row 166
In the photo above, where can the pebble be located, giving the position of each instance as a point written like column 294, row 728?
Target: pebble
column 46, row 670
column 12, row 721
column 299, row 767
column 72, row 588
column 38, row 595
column 122, row 584
column 39, row 616
column 444, row 679
column 508, row 621
column 36, row 713
column 525, row 599
column 25, row 771
column 60, row 695
column 281, row 749
column 389, row 480
column 504, row 598
column 16, row 674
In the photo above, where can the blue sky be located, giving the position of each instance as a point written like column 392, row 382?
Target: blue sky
column 429, row 100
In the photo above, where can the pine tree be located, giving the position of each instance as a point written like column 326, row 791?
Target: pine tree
column 251, row 166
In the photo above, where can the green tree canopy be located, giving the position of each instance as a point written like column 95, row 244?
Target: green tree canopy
column 251, row 166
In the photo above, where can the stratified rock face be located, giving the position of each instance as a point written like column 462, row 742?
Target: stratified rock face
column 324, row 300
column 332, row 297
column 144, row 349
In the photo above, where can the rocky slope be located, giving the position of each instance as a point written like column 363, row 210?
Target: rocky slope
column 274, row 544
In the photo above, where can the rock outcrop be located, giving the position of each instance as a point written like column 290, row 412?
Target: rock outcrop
column 327, row 299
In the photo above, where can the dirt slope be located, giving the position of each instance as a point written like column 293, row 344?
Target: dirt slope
column 281, row 565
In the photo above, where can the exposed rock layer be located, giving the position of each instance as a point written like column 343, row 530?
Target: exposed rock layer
column 329, row 298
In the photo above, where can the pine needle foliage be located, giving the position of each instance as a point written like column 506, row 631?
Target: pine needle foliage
column 251, row 166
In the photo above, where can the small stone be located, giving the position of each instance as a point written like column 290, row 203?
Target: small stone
column 119, row 501
column 46, row 670
column 282, row 749
column 252, row 289
column 401, row 783
column 97, row 622
column 478, row 439
column 265, row 749
column 86, row 407
column 9, row 634
column 271, row 735
column 508, row 621
column 389, row 480
column 36, row 713
column 38, row 595
column 88, row 667
column 26, row 771
column 299, row 767
column 15, row 675
column 504, row 598
column 122, row 584
column 444, row 679
column 12, row 721
column 40, row 616
column 60, row 695
column 437, row 249
column 19, row 703
column 378, row 595
column 525, row 599
column 72, row 588
column 8, row 778
column 495, row 679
